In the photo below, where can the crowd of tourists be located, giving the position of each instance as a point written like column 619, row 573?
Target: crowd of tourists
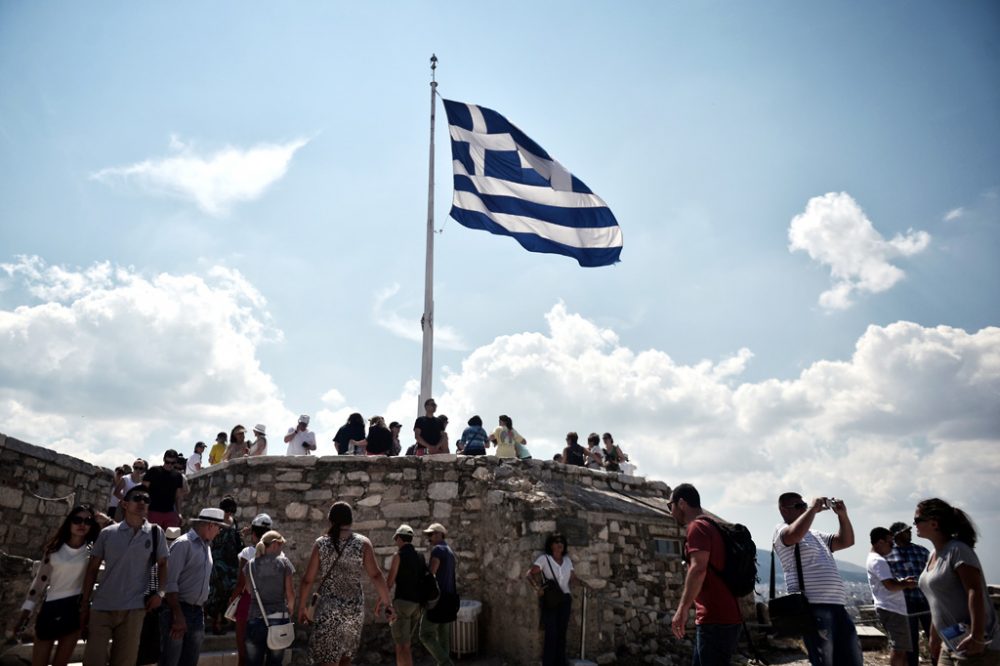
column 162, row 588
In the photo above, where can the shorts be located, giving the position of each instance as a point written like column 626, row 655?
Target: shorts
column 404, row 627
column 897, row 628
column 58, row 618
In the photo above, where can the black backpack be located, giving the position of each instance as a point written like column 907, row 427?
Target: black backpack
column 575, row 455
column 740, row 570
column 429, row 591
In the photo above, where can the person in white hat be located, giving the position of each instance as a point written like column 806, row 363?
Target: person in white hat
column 259, row 446
column 189, row 571
column 300, row 439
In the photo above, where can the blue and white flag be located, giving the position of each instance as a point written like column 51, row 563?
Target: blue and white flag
column 505, row 183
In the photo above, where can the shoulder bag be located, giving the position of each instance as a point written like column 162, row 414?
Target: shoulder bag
column 279, row 636
column 314, row 599
column 791, row 614
column 149, row 636
column 552, row 594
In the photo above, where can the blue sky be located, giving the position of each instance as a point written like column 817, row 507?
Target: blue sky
column 215, row 214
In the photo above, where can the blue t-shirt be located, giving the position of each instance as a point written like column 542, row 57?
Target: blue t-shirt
column 446, row 570
column 474, row 438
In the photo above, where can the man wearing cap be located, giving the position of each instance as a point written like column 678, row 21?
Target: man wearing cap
column 405, row 573
column 259, row 446
column 395, row 427
column 127, row 549
column 194, row 462
column 907, row 560
column 167, row 489
column 435, row 625
column 301, row 441
column 189, row 570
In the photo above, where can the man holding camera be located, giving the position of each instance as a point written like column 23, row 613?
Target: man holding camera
column 834, row 639
column 300, row 439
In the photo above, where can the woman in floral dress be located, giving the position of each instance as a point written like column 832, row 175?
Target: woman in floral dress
column 339, row 560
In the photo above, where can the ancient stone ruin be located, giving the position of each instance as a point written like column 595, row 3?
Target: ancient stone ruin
column 498, row 513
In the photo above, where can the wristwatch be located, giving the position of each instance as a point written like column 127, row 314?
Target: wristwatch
column 161, row 593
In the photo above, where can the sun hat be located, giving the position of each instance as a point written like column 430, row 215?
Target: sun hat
column 211, row 515
column 260, row 429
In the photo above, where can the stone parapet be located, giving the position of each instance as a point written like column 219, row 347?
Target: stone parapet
column 498, row 512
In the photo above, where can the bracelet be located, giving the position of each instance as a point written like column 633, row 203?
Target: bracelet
column 979, row 642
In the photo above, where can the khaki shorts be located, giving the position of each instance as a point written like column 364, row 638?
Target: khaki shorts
column 897, row 628
column 404, row 627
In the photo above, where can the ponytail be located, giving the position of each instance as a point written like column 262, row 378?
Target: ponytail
column 259, row 549
column 952, row 521
column 964, row 530
column 340, row 516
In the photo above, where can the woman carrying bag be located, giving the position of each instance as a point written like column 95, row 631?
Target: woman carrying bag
column 269, row 629
column 60, row 583
column 551, row 576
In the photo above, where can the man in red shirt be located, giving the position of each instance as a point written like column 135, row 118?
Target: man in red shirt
column 717, row 615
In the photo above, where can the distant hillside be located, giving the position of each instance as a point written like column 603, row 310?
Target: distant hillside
column 850, row 572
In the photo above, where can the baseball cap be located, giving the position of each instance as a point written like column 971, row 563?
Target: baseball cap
column 404, row 530
column 898, row 528
column 436, row 527
column 261, row 520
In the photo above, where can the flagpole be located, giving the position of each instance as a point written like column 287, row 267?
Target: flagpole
column 427, row 320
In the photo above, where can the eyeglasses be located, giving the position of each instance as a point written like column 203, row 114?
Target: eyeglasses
column 144, row 499
column 81, row 520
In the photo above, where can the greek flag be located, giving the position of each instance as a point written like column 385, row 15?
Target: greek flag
column 507, row 184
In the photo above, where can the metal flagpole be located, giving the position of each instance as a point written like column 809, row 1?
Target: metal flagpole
column 427, row 320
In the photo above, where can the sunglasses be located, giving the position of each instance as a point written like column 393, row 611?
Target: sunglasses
column 797, row 505
column 80, row 520
column 920, row 519
column 143, row 499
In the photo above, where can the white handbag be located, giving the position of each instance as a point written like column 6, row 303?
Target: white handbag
column 279, row 636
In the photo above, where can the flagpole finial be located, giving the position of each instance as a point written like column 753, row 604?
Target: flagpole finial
column 434, row 64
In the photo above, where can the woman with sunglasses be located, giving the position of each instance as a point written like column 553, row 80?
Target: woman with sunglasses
column 963, row 620
column 60, row 582
column 554, row 568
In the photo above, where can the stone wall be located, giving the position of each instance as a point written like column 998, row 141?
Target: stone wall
column 38, row 487
column 498, row 514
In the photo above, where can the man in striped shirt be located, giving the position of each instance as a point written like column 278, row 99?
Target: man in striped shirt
column 835, row 640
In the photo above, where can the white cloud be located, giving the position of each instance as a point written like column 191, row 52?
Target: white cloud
column 112, row 360
column 914, row 412
column 835, row 231
column 445, row 337
column 213, row 181
column 954, row 214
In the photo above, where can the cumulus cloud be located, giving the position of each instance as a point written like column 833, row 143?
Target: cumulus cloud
column 214, row 181
column 835, row 231
column 111, row 360
column 445, row 337
column 901, row 419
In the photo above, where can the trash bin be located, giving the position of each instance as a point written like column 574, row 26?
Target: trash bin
column 465, row 630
